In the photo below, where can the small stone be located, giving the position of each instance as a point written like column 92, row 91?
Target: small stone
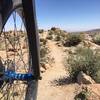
column 82, row 78
column 45, row 66
column 42, row 70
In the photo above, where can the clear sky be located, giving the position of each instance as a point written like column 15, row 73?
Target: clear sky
column 71, row 15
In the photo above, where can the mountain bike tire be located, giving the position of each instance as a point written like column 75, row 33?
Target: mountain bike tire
column 26, row 10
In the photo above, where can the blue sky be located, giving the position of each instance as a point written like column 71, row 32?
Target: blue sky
column 70, row 15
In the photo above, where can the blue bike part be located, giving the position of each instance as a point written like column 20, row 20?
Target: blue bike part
column 11, row 75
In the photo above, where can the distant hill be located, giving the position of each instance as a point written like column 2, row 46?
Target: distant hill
column 90, row 32
column 94, row 31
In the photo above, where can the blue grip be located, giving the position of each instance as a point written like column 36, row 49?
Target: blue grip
column 17, row 76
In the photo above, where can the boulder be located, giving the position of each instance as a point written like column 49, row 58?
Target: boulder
column 82, row 78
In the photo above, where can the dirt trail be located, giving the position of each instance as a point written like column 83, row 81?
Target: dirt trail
column 45, row 90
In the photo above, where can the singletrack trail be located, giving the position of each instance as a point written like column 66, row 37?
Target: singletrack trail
column 46, row 91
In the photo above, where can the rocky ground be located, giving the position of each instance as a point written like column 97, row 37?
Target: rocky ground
column 47, row 89
column 55, row 84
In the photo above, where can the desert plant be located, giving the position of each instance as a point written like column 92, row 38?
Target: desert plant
column 2, row 47
column 49, row 37
column 84, row 60
column 53, row 28
column 44, row 51
column 57, row 38
column 60, row 36
column 83, row 95
column 41, row 30
column 43, row 41
column 56, row 34
column 96, row 39
column 72, row 40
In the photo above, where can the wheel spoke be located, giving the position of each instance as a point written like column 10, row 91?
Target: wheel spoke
column 15, row 57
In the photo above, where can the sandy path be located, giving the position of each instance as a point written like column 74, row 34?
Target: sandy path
column 45, row 90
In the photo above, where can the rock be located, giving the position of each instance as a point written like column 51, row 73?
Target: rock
column 95, row 91
column 24, row 45
column 45, row 66
column 58, row 44
column 88, row 37
column 42, row 70
column 88, row 92
column 82, row 78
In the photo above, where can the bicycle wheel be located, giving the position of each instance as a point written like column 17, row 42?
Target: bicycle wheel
column 16, row 55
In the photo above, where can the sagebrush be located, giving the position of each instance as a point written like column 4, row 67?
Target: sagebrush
column 72, row 40
column 96, row 39
column 85, row 60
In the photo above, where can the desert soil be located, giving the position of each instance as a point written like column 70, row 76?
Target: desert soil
column 47, row 90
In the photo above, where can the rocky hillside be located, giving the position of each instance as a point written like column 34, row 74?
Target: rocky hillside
column 58, row 51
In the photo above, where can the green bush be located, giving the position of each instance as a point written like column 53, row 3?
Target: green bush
column 44, row 51
column 49, row 37
column 60, row 36
column 43, row 41
column 96, row 39
column 84, row 60
column 57, row 38
column 41, row 30
column 2, row 44
column 53, row 28
column 56, row 34
column 83, row 95
column 72, row 40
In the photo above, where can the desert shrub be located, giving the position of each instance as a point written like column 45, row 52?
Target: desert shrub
column 2, row 44
column 2, row 47
column 84, row 60
column 57, row 38
column 53, row 28
column 44, row 51
column 96, row 39
column 60, row 36
column 56, row 34
column 83, row 95
column 49, row 37
column 43, row 41
column 72, row 40
column 43, row 54
column 22, row 34
column 51, row 32
column 41, row 30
